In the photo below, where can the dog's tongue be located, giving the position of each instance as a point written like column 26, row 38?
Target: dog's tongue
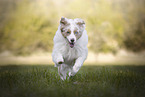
column 71, row 45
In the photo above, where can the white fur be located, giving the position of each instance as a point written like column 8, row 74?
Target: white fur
column 72, row 58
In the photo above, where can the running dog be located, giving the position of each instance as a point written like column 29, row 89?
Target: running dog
column 70, row 46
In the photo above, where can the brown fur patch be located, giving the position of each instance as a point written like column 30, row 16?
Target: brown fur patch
column 81, row 23
column 65, row 33
column 64, row 25
column 78, row 34
column 64, row 22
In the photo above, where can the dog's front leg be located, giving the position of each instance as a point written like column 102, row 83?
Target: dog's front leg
column 62, row 70
column 57, row 58
column 78, row 64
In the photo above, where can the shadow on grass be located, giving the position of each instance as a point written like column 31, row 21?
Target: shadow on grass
column 90, row 81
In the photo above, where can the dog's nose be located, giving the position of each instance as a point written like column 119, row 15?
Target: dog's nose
column 72, row 40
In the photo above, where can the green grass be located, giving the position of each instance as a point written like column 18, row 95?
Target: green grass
column 90, row 81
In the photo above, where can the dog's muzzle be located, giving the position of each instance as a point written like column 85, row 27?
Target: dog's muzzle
column 71, row 44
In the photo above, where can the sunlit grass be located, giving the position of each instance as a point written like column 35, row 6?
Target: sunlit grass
column 90, row 81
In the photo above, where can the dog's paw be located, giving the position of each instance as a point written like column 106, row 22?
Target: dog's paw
column 73, row 71
column 70, row 74
column 60, row 61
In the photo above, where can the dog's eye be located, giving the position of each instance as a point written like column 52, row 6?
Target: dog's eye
column 68, row 32
column 76, row 32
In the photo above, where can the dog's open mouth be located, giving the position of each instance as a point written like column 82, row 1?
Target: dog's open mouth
column 71, row 44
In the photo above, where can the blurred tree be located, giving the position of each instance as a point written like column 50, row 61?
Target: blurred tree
column 106, row 27
column 27, row 26
column 135, row 40
column 30, row 29
column 134, row 36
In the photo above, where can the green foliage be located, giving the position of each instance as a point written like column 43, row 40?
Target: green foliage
column 30, row 25
column 106, row 25
column 90, row 81
column 134, row 38
column 28, row 29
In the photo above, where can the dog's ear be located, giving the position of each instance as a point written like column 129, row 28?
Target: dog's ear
column 80, row 22
column 63, row 21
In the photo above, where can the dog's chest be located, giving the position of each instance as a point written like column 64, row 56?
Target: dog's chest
column 70, row 54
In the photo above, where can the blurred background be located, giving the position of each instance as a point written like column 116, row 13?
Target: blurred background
column 116, row 29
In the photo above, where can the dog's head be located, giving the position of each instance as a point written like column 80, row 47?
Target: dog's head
column 72, row 29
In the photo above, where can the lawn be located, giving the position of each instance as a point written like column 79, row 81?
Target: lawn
column 90, row 81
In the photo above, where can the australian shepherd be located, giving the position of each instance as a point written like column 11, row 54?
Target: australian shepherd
column 70, row 46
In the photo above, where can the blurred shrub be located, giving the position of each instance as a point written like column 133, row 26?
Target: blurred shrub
column 134, row 36
column 111, row 24
column 106, row 26
column 135, row 40
column 29, row 29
